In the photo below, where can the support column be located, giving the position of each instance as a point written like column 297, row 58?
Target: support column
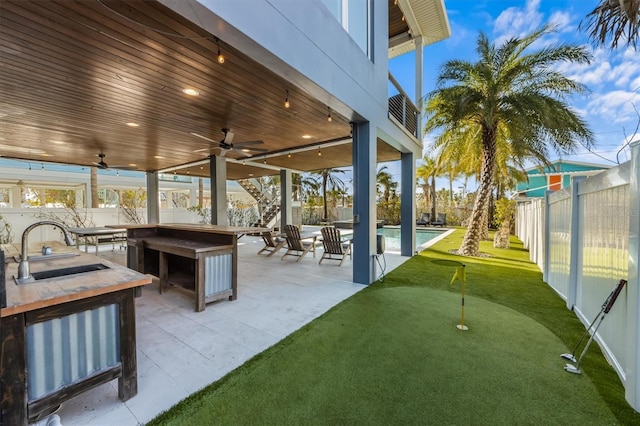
column 80, row 199
column 218, row 173
column 407, row 204
column 364, row 199
column 575, row 243
column 286, row 195
column 419, row 71
column 193, row 198
column 153, row 204
column 16, row 197
column 632, row 364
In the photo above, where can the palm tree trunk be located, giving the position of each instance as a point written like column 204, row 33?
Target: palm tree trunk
column 95, row 203
column 324, row 197
column 471, row 241
column 433, row 197
column 484, row 230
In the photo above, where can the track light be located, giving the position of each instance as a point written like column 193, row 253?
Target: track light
column 286, row 99
column 220, row 57
column 329, row 119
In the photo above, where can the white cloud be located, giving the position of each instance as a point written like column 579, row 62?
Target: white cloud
column 615, row 107
column 515, row 21
column 562, row 22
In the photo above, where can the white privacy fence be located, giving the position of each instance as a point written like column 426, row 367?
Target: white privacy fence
column 585, row 239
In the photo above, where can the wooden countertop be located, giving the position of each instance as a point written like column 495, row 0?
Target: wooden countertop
column 199, row 227
column 53, row 291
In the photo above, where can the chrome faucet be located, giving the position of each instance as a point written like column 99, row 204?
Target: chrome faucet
column 23, row 267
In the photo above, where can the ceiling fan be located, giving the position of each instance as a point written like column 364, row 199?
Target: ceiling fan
column 226, row 145
column 104, row 166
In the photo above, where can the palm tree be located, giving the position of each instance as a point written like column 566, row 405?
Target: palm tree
column 508, row 98
column 428, row 171
column 329, row 179
column 384, row 179
column 614, row 19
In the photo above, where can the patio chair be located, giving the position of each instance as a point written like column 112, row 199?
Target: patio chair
column 272, row 244
column 424, row 220
column 441, row 221
column 297, row 245
column 334, row 245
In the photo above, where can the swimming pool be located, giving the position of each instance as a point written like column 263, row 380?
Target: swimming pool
column 423, row 236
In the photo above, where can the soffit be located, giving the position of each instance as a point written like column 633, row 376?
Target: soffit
column 426, row 18
column 73, row 73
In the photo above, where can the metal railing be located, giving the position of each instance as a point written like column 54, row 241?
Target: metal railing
column 402, row 108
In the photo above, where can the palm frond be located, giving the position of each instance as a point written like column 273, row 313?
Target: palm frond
column 610, row 23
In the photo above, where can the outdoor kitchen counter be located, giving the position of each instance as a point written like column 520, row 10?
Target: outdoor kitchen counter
column 54, row 291
column 61, row 336
column 198, row 257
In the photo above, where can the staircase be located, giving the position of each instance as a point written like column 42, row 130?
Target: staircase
column 270, row 207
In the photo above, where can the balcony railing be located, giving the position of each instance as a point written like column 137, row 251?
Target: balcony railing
column 402, row 108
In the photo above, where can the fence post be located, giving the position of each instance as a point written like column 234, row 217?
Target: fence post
column 632, row 372
column 545, row 238
column 575, row 251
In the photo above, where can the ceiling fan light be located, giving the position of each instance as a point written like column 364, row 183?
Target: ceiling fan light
column 220, row 58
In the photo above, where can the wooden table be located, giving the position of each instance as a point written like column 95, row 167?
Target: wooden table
column 200, row 258
column 62, row 336
column 92, row 235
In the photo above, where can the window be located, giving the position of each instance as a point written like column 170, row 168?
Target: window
column 555, row 182
column 353, row 15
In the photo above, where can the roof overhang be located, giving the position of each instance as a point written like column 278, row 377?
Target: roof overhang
column 423, row 18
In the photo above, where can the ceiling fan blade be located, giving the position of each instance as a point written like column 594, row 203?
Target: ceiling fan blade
column 248, row 143
column 248, row 148
column 205, row 138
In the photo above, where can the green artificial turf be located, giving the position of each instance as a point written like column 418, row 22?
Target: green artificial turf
column 392, row 354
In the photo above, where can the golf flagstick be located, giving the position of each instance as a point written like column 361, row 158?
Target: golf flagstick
column 606, row 307
column 461, row 274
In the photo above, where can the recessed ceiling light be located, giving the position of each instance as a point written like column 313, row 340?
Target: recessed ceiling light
column 306, row 136
column 158, row 157
column 190, row 92
column 58, row 142
column 44, row 154
column 132, row 165
column 132, row 124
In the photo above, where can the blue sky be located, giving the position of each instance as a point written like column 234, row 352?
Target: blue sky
column 613, row 77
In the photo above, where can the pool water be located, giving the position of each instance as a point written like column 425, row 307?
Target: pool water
column 392, row 237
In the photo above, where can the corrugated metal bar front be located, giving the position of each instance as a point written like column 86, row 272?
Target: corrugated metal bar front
column 218, row 273
column 64, row 350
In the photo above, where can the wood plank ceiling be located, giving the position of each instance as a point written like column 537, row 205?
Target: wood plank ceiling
column 74, row 73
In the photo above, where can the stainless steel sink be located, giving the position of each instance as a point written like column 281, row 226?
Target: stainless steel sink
column 62, row 272
column 55, row 255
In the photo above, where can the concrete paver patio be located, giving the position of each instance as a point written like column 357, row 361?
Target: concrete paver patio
column 180, row 350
